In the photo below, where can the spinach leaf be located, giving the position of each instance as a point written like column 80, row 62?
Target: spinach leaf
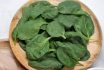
column 37, row 47
column 43, row 27
column 26, row 11
column 80, row 13
column 68, row 7
column 67, row 20
column 85, row 26
column 55, row 29
column 65, row 58
column 86, row 56
column 49, row 55
column 18, row 26
column 14, row 34
column 45, row 34
column 50, row 13
column 23, row 45
column 76, row 51
column 45, row 64
column 76, row 37
column 30, row 29
column 39, row 8
column 25, row 16
column 78, row 40
column 53, row 45
column 23, row 19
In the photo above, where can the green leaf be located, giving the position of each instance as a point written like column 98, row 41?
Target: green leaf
column 15, row 31
column 25, row 15
column 68, row 7
column 80, row 13
column 86, row 56
column 45, row 34
column 27, row 41
column 23, row 45
column 72, row 34
column 49, row 55
column 64, row 58
column 43, row 27
column 67, row 20
column 85, row 26
column 14, row 34
column 76, row 51
column 37, row 47
column 76, row 38
column 50, row 13
column 46, row 64
column 30, row 29
column 53, row 45
column 26, row 11
column 39, row 8
column 54, row 29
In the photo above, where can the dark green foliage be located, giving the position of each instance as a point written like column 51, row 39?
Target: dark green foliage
column 86, row 56
column 85, row 26
column 67, row 20
column 14, row 34
column 47, row 63
column 37, row 47
column 39, row 8
column 43, row 27
column 55, row 29
column 30, row 29
column 23, row 45
column 76, row 51
column 76, row 38
column 50, row 13
column 68, row 7
column 54, row 36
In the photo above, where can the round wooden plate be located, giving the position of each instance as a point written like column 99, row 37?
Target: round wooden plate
column 94, row 45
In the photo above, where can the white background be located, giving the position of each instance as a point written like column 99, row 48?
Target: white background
column 9, row 7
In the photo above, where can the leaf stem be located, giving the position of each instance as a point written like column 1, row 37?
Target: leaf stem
column 63, row 37
column 52, row 50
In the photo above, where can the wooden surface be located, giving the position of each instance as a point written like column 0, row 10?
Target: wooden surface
column 94, row 45
column 6, row 51
column 4, row 43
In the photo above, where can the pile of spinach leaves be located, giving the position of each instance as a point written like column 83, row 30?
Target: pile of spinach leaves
column 54, row 36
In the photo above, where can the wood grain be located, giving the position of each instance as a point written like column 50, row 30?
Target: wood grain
column 5, row 49
column 94, row 45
